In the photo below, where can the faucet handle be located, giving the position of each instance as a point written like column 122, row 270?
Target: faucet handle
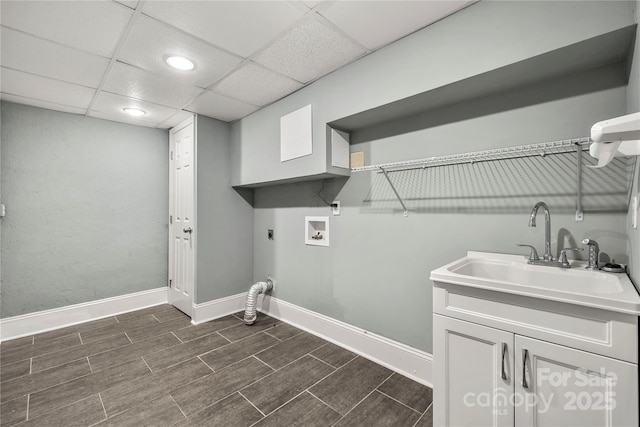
column 594, row 253
column 534, row 253
column 563, row 256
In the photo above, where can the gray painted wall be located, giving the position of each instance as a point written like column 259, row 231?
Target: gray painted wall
column 225, row 219
column 633, row 106
column 87, row 209
column 375, row 273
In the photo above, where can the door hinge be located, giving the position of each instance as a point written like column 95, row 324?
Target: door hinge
column 170, row 282
column 170, row 219
column 171, row 155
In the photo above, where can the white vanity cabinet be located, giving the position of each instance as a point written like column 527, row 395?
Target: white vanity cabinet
column 489, row 377
column 508, row 355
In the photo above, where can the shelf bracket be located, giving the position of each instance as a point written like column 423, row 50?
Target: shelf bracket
column 406, row 211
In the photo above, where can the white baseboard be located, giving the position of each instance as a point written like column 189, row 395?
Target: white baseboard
column 401, row 358
column 406, row 360
column 217, row 308
column 47, row 320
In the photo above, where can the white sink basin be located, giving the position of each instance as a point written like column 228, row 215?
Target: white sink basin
column 512, row 274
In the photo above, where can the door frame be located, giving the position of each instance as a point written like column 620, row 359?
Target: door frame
column 194, row 236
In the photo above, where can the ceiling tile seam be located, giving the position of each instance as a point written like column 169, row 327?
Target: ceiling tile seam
column 298, row 4
column 260, row 107
column 123, row 38
column 246, row 61
column 193, row 36
column 314, row 15
column 47, row 77
column 162, row 76
column 164, row 122
column 184, row 107
column 366, row 50
column 198, row 114
column 281, row 34
column 55, row 42
column 131, row 121
column 470, row 3
column 249, row 58
column 125, row 5
column 144, row 100
column 326, row 20
column 42, row 100
column 205, row 90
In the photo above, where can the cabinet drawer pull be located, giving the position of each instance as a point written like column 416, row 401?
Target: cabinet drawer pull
column 504, row 353
column 525, row 357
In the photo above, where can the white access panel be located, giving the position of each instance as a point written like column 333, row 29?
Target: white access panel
column 296, row 139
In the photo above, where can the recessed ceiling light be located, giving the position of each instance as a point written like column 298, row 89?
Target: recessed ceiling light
column 180, row 63
column 134, row 111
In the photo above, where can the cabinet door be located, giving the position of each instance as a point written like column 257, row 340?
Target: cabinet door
column 561, row 386
column 473, row 374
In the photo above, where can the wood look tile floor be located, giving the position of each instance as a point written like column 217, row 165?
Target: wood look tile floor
column 152, row 367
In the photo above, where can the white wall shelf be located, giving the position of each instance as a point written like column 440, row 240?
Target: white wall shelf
column 457, row 181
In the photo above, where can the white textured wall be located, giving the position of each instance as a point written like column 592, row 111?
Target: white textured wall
column 87, row 209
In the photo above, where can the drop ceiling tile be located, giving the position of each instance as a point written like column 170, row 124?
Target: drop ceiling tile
column 220, row 107
column 44, row 89
column 92, row 26
column 310, row 50
column 24, row 52
column 112, row 105
column 241, row 27
column 256, row 85
column 151, row 41
column 41, row 104
column 390, row 19
column 135, row 83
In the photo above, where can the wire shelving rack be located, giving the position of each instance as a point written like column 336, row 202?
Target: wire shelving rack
column 577, row 145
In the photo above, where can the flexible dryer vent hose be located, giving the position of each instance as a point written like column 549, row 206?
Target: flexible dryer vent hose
column 252, row 299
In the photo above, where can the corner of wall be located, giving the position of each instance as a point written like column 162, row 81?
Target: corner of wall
column 633, row 105
column 634, row 234
column 225, row 217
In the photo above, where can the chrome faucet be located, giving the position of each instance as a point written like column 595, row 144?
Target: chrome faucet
column 594, row 253
column 547, row 228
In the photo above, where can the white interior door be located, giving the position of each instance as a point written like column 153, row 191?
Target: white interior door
column 182, row 221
